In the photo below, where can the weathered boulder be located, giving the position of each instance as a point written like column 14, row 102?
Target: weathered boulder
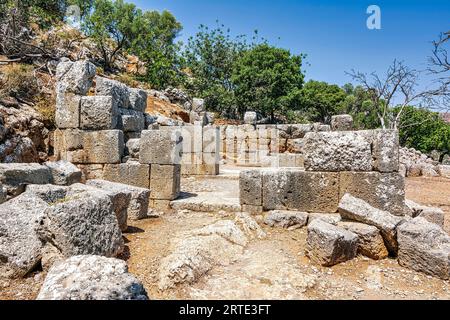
column 198, row 252
column 198, row 105
column 249, row 226
column 64, row 173
column 138, row 99
column 16, row 176
column 83, row 222
column 385, row 150
column 424, row 247
column 329, row 245
column 444, row 171
column 132, row 148
column 343, row 122
column 91, row 277
column 286, row 219
column 370, row 241
column 139, row 197
column 355, row 209
column 337, row 151
column 250, row 117
column 432, row 214
column 20, row 248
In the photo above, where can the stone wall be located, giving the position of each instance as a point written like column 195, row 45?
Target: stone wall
column 362, row 163
column 103, row 129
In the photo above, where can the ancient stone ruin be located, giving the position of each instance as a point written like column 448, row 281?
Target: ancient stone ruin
column 115, row 166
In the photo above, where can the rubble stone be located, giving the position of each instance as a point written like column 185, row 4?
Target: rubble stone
column 342, row 122
column 286, row 219
column 98, row 113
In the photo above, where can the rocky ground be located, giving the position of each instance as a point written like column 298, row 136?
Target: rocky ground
column 270, row 268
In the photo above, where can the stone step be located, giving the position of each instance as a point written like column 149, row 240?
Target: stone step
column 206, row 202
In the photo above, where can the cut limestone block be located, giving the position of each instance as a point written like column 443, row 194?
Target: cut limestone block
column 355, row 209
column 424, row 247
column 74, row 77
column 131, row 173
column 162, row 147
column 331, row 218
column 16, row 176
column 165, row 181
column 290, row 160
column 131, row 120
column 299, row 190
column 83, row 222
column 138, row 99
column 20, row 248
column 211, row 139
column 117, row 90
column 67, row 114
column 286, row 219
column 385, row 191
column 192, row 139
column 370, row 242
column 385, row 150
column 343, row 122
column 64, row 173
column 250, row 187
column 89, row 147
column 432, row 214
column 120, row 196
column 91, row 171
column 329, row 245
column 98, row 113
column 91, row 277
column 137, row 206
column 337, row 151
column 132, row 148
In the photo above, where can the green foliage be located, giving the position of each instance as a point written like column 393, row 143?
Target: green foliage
column 209, row 58
column 155, row 45
column 268, row 80
column 113, row 26
column 423, row 130
column 321, row 100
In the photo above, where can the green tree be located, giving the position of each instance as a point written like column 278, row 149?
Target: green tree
column 113, row 26
column 209, row 58
column 268, row 80
column 155, row 45
column 321, row 100
column 423, row 130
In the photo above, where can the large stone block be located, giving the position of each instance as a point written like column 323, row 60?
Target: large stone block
column 67, row 113
column 211, row 139
column 16, row 176
column 131, row 173
column 74, row 77
column 371, row 243
column 138, row 99
column 91, row 277
column 337, row 151
column 385, row 191
column 64, row 173
column 131, row 120
column 98, row 113
column 117, row 90
column 250, row 187
column 299, row 190
column 343, row 122
column 424, row 247
column 165, row 181
column 89, row 147
column 329, row 245
column 286, row 219
column 91, row 171
column 385, row 150
column 20, row 248
column 120, row 196
column 81, row 222
column 355, row 209
column 162, row 147
column 192, row 139
column 432, row 214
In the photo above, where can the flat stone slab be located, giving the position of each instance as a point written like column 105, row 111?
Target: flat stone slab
column 286, row 219
column 206, row 202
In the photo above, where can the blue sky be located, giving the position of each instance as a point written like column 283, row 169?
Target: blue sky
column 332, row 33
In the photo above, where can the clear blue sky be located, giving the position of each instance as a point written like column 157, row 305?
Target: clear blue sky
column 332, row 33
